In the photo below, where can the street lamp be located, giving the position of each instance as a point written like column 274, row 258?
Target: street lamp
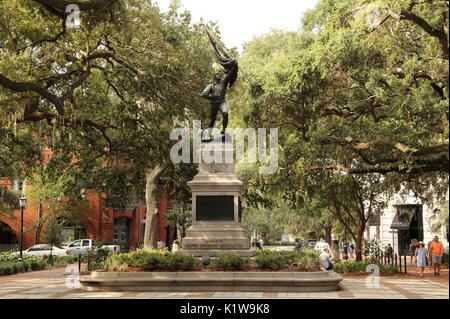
column 22, row 203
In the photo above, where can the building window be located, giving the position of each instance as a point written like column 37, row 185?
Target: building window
column 18, row 185
column 71, row 233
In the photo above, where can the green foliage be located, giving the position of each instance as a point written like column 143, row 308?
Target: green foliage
column 306, row 259
column 109, row 99
column 97, row 257
column 115, row 263
column 439, row 218
column 52, row 234
column 361, row 104
column 8, row 256
column 361, row 266
column 445, row 258
column 230, row 262
column 271, row 221
column 13, row 267
column 150, row 260
column 66, row 260
column 373, row 250
column 175, row 217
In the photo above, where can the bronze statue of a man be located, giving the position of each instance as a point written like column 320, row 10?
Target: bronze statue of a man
column 216, row 92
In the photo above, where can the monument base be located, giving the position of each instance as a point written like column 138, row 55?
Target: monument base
column 213, row 238
column 216, row 195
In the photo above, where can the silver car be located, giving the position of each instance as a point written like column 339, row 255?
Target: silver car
column 44, row 250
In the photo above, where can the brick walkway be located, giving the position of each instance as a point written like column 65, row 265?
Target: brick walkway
column 51, row 284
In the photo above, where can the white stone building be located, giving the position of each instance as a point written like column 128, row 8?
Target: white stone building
column 405, row 219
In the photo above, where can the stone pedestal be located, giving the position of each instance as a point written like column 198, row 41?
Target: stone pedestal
column 216, row 191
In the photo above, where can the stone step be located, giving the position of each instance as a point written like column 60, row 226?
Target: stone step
column 216, row 233
column 217, row 252
column 216, row 243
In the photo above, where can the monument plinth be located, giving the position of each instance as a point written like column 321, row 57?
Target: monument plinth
column 216, row 191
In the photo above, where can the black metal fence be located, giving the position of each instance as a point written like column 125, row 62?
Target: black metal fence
column 8, row 247
column 383, row 258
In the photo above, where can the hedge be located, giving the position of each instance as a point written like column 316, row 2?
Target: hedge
column 148, row 260
column 10, row 268
column 361, row 266
column 305, row 259
column 230, row 262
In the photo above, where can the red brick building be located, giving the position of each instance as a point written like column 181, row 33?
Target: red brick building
column 124, row 228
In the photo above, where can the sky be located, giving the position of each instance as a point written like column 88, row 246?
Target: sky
column 240, row 20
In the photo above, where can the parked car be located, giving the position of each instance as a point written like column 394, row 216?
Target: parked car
column 310, row 243
column 321, row 246
column 83, row 246
column 44, row 250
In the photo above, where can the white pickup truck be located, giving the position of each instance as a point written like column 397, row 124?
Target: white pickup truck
column 83, row 246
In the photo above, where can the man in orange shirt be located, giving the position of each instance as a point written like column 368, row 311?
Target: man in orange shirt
column 436, row 252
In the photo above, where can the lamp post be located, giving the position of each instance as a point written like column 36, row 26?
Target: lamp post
column 22, row 203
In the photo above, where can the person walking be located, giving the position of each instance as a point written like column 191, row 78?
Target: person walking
column 352, row 246
column 298, row 244
column 412, row 250
column 389, row 253
column 437, row 251
column 421, row 257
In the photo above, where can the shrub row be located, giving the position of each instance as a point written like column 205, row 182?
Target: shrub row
column 13, row 267
column 230, row 262
column 305, row 259
column 361, row 266
column 9, row 257
column 150, row 260
column 66, row 260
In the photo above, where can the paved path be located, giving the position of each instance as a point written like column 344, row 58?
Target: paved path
column 51, row 284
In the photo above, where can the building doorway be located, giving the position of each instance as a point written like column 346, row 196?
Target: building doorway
column 409, row 224
column 121, row 233
column 8, row 239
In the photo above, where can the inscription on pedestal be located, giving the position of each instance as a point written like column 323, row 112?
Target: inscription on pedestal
column 213, row 208
column 213, row 246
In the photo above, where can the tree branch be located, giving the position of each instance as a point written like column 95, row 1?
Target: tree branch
column 31, row 87
column 437, row 33
column 60, row 5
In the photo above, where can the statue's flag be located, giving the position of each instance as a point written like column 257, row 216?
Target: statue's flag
column 226, row 61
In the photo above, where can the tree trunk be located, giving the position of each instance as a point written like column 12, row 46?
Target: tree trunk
column 359, row 242
column 328, row 234
column 151, row 197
